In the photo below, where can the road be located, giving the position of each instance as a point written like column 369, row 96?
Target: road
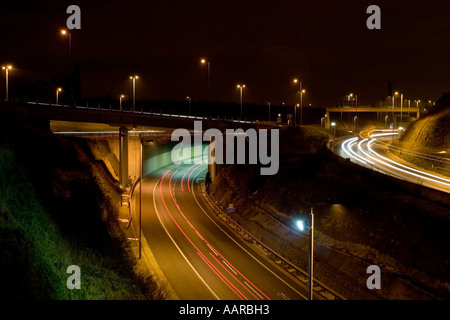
column 371, row 149
column 200, row 257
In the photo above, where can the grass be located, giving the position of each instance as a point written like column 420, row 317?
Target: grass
column 53, row 214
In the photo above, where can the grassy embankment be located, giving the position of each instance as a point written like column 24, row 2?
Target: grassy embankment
column 58, row 208
column 361, row 218
column 429, row 136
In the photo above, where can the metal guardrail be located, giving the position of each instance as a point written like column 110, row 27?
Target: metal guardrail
column 319, row 287
column 140, row 112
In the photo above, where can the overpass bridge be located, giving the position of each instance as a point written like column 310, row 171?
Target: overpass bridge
column 126, row 141
column 392, row 113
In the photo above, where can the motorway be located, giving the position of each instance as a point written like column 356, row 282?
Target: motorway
column 200, row 258
column 371, row 149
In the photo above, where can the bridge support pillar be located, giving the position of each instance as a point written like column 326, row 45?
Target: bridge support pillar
column 212, row 165
column 123, row 158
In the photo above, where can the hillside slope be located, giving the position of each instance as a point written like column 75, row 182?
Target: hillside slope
column 360, row 219
column 432, row 132
column 58, row 208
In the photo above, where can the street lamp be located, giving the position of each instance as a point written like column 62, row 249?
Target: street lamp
column 208, row 63
column 7, row 68
column 57, row 95
column 300, row 92
column 134, row 91
column 189, row 100
column 120, row 101
column 65, row 32
column 349, row 98
column 332, row 128
column 241, row 87
column 351, row 95
column 302, row 226
column 401, row 107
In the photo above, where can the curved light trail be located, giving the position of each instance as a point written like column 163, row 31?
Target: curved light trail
column 373, row 152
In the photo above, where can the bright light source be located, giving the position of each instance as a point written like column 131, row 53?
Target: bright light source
column 301, row 225
column 63, row 32
column 203, row 61
column 333, row 124
column 295, row 80
column 59, row 89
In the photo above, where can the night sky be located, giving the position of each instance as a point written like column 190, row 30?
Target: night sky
column 262, row 43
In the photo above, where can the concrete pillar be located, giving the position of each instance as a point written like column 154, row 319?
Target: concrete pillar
column 212, row 166
column 123, row 157
column 327, row 120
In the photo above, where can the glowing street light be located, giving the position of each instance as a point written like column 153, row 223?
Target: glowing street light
column 301, row 91
column 134, row 91
column 120, row 101
column 208, row 63
column 57, row 95
column 189, row 100
column 401, row 106
column 7, row 68
column 302, row 226
column 241, row 87
column 65, row 32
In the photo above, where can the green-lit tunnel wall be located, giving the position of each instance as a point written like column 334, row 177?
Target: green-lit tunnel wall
column 156, row 156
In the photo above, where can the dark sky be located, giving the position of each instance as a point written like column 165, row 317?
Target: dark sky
column 261, row 43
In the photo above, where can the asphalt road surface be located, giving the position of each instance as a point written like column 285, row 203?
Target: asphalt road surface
column 199, row 256
column 371, row 149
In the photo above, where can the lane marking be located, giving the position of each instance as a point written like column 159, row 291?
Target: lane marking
column 176, row 245
column 246, row 251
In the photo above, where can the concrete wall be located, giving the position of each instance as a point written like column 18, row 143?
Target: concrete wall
column 156, row 155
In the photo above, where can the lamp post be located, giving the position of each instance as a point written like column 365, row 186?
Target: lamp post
column 401, row 109
column 417, row 104
column 120, row 101
column 208, row 64
column 269, row 109
column 189, row 101
column 333, row 128
column 65, row 32
column 7, row 68
column 302, row 226
column 57, row 95
column 300, row 92
column 241, row 87
column 134, row 91
column 140, row 205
